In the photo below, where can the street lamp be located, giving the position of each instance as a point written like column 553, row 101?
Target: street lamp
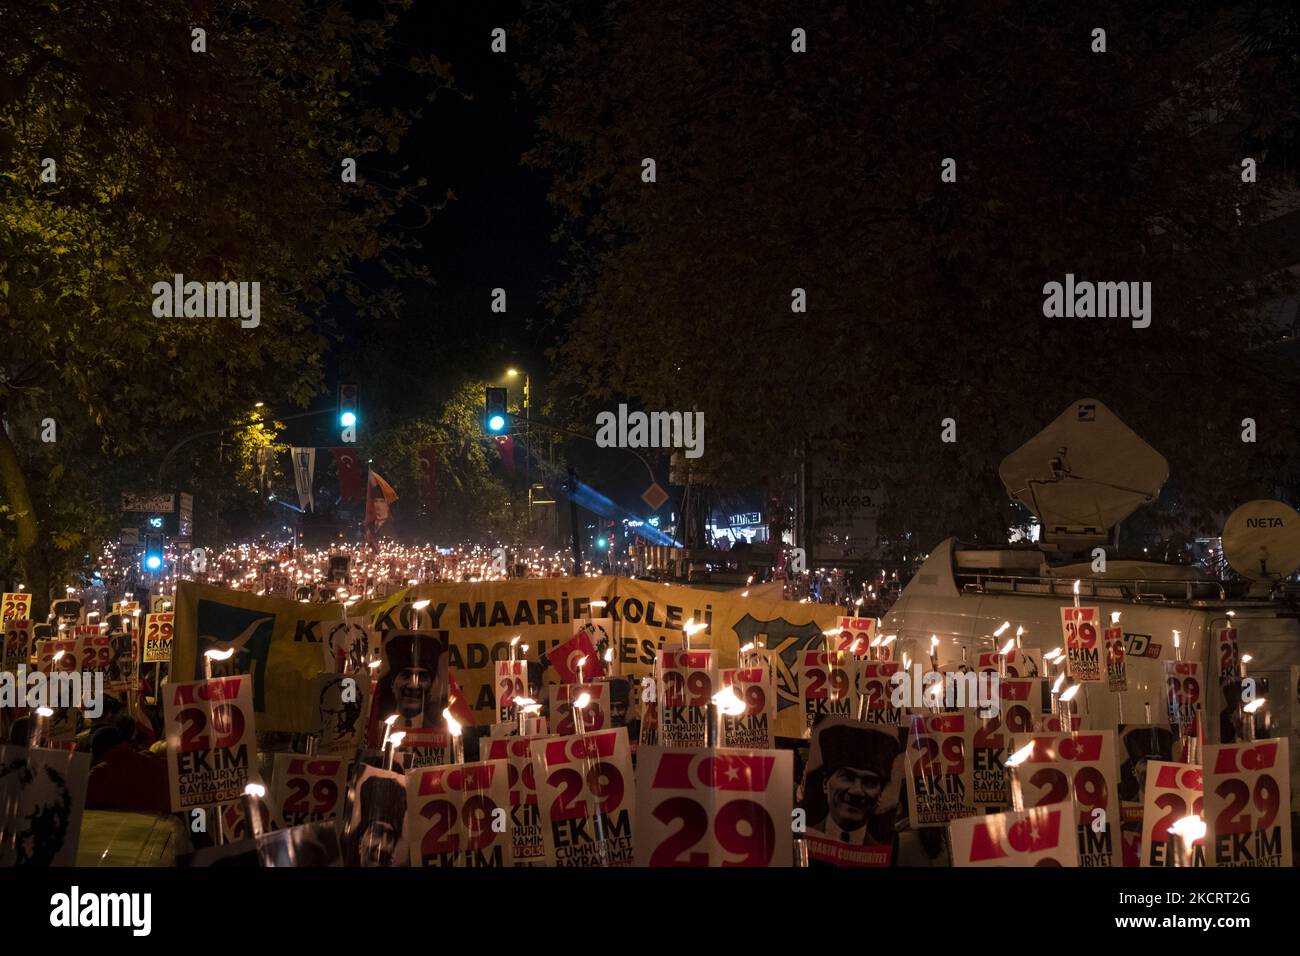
column 528, row 448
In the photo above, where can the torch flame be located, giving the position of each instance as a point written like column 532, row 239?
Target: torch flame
column 728, row 702
column 1021, row 755
column 1190, row 828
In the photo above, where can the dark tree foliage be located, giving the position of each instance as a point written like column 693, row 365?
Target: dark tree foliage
column 222, row 165
column 779, row 170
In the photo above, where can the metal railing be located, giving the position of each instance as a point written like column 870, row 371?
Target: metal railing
column 1131, row 588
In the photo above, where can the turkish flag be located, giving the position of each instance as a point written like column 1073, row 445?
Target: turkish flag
column 429, row 473
column 457, row 703
column 348, row 466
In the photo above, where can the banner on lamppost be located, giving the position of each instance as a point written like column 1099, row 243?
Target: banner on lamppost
column 304, row 468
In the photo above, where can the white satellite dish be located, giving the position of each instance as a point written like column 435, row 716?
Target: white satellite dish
column 1261, row 540
column 1083, row 474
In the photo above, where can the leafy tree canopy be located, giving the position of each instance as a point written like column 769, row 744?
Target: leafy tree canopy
column 779, row 170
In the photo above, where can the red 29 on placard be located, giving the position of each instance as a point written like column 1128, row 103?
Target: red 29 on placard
column 699, row 808
column 585, row 797
column 453, row 814
column 306, row 789
column 1247, row 803
column 1080, row 767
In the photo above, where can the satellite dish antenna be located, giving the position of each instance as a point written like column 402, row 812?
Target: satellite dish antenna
column 1083, row 474
column 1261, row 540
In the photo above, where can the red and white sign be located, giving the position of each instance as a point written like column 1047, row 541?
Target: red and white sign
column 211, row 746
column 855, row 637
column 1174, row 791
column 158, row 630
column 587, row 798
column 595, row 716
column 1039, row 836
column 940, row 780
column 686, row 688
column 16, row 606
column 525, row 820
column 875, row 693
column 1079, row 766
column 826, row 685
column 307, row 789
column 17, row 647
column 1248, row 803
column 714, row 808
column 1051, row 723
column 234, row 820
column 510, row 682
column 94, row 652
column 1229, row 653
column 1116, row 668
column 1019, row 702
column 423, row 747
column 47, row 651
column 1184, row 689
column 457, row 816
column 753, row 728
column 564, row 657
column 1021, row 662
column 1080, row 627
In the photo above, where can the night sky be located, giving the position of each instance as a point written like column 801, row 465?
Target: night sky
column 496, row 232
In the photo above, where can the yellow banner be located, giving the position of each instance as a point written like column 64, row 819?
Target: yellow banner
column 282, row 640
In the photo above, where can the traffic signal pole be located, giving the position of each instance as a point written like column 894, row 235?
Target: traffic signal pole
column 583, row 435
column 166, row 460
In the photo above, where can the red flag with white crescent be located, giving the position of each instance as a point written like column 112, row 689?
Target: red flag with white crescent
column 348, row 467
